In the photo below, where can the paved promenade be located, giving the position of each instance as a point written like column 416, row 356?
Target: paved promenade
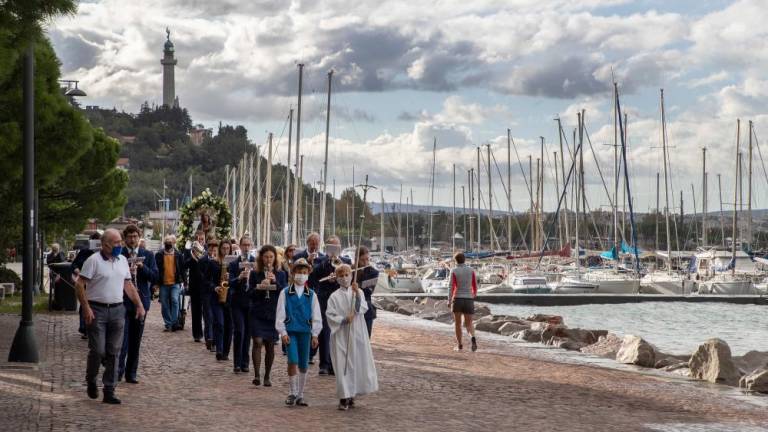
column 424, row 386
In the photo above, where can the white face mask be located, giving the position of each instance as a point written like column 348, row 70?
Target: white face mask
column 345, row 281
column 300, row 279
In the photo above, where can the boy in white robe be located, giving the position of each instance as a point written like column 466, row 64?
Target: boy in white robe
column 350, row 346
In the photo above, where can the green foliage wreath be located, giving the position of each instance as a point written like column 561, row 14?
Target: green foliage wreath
column 206, row 202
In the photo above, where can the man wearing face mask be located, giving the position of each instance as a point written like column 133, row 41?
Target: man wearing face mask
column 170, row 276
column 323, row 267
column 143, row 271
column 108, row 278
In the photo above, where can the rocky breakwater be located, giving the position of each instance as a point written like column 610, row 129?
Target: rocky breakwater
column 711, row 362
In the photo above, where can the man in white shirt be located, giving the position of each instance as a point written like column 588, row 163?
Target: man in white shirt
column 108, row 277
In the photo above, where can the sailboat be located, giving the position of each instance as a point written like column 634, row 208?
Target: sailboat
column 664, row 281
column 613, row 280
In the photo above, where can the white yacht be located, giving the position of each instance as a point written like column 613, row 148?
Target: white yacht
column 436, row 281
column 609, row 281
column 521, row 283
column 719, row 273
column 573, row 284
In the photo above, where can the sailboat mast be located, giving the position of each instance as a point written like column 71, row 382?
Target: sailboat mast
column 722, row 216
column 354, row 203
column 432, row 193
column 509, row 190
column 333, row 206
column 400, row 218
column 479, row 217
column 531, row 218
column 325, row 159
column 464, row 215
column 287, row 200
column 704, row 196
column 578, row 182
column 749, row 190
column 736, row 195
column 298, row 185
column 490, row 199
column 565, row 184
column 453, row 216
column 657, row 211
column 268, row 196
column 383, row 209
column 471, row 193
column 666, row 181
column 616, row 115
column 258, row 230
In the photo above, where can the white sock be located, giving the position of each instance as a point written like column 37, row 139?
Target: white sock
column 292, row 380
column 302, row 383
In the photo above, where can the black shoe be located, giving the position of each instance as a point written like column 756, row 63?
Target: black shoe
column 331, row 372
column 208, row 344
column 343, row 405
column 236, row 370
column 131, row 380
column 351, row 402
column 256, row 381
column 84, row 337
column 474, row 344
column 323, row 372
column 219, row 357
column 197, row 339
column 109, row 398
column 225, row 357
column 301, row 402
column 290, row 400
column 93, row 391
column 267, row 382
column 244, row 370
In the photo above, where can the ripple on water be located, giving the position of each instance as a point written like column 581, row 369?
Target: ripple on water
column 674, row 327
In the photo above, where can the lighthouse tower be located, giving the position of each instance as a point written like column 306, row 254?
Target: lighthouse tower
column 169, row 63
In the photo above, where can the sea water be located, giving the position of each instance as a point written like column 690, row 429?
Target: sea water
column 673, row 327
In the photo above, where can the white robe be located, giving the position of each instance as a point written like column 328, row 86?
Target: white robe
column 360, row 377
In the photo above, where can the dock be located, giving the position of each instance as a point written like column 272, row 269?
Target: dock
column 584, row 299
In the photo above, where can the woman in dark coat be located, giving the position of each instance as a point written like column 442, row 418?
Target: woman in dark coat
column 266, row 281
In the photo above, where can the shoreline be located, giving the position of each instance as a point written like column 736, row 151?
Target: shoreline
column 552, row 354
column 710, row 362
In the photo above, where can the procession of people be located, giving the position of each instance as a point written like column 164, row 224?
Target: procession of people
column 243, row 301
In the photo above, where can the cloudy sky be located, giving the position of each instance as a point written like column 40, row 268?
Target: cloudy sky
column 458, row 71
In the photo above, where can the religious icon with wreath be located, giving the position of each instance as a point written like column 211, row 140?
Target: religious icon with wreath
column 213, row 212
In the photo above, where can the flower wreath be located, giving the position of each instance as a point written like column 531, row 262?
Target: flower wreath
column 203, row 202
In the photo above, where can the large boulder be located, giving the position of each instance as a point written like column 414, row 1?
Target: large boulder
column 751, row 361
column 586, row 337
column 712, row 362
column 606, row 346
column 511, row 327
column 489, row 325
column 481, row 310
column 635, row 350
column 527, row 335
column 757, row 381
column 551, row 319
column 565, row 343
column 385, row 303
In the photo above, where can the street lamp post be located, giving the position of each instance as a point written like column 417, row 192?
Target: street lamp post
column 24, row 346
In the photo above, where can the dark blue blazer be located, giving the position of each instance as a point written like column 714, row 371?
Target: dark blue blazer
column 211, row 275
column 145, row 277
column 321, row 269
column 195, row 271
column 237, row 295
column 364, row 275
column 179, row 267
column 262, row 307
